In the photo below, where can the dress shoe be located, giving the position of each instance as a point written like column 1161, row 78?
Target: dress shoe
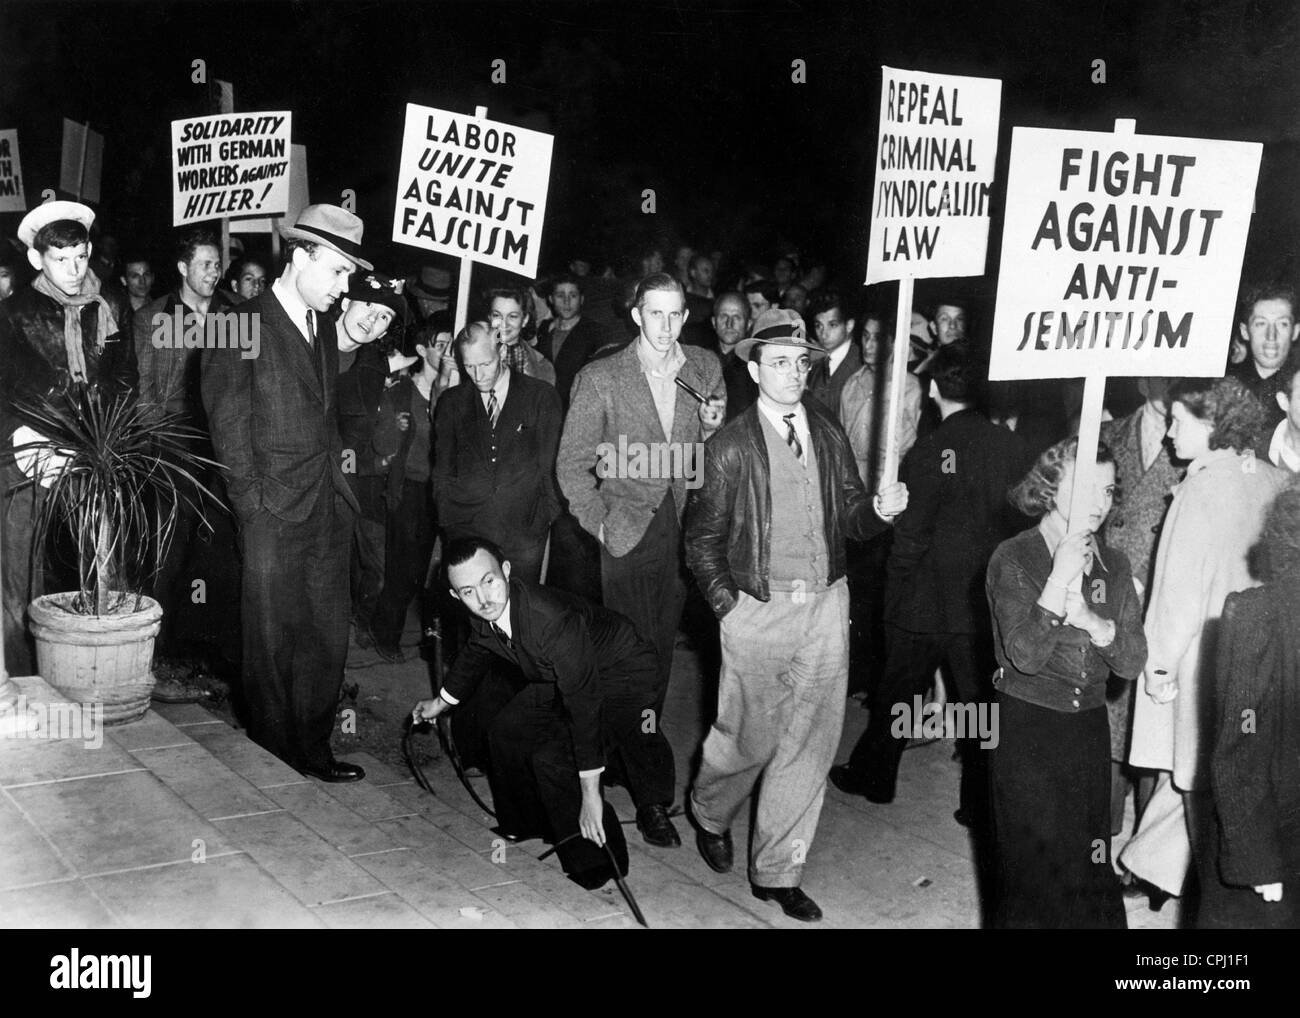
column 792, row 900
column 656, row 828
column 715, row 849
column 393, row 655
column 335, row 771
column 847, row 780
column 1136, row 887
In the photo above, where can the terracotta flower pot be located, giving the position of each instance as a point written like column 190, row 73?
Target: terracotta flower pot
column 105, row 659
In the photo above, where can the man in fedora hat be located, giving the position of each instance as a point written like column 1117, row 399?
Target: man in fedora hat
column 274, row 424
column 58, row 333
column 765, row 538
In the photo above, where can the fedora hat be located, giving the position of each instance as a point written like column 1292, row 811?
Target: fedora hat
column 52, row 212
column 332, row 227
column 777, row 327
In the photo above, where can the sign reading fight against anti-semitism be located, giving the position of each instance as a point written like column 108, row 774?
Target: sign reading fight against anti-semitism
column 934, row 175
column 230, row 164
column 472, row 188
column 1121, row 254
column 11, row 174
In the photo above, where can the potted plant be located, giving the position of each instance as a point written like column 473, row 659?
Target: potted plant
column 109, row 477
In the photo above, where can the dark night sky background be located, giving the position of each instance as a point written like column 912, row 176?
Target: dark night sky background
column 693, row 100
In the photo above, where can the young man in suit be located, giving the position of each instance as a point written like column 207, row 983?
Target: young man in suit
column 935, row 612
column 765, row 538
column 629, row 403
column 569, row 340
column 834, row 329
column 274, row 424
column 588, row 680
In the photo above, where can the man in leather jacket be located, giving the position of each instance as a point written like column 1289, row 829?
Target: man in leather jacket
column 765, row 539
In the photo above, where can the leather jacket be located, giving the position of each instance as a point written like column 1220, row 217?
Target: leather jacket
column 729, row 518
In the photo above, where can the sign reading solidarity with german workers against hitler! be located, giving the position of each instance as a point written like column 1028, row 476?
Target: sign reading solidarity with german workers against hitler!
column 11, row 174
column 472, row 188
column 230, row 164
column 1120, row 254
column 934, row 175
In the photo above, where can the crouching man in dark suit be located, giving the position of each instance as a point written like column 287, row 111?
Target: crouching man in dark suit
column 588, row 682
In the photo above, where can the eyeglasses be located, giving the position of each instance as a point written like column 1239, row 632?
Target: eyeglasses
column 783, row 365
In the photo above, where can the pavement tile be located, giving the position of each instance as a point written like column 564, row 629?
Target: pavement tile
column 228, row 892
column 148, row 732
column 432, row 893
column 547, row 877
column 378, row 772
column 117, row 821
column 25, row 856
column 243, row 756
column 444, row 853
column 25, row 761
column 474, row 836
column 302, row 861
column 366, row 800
column 210, row 787
column 181, row 714
column 68, row 906
column 329, row 818
column 527, row 907
column 670, row 899
column 385, row 912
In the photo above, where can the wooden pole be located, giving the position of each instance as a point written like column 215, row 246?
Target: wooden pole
column 81, row 167
column 227, row 103
column 902, row 337
column 466, row 266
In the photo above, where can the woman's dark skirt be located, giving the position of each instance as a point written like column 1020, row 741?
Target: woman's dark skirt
column 1050, row 778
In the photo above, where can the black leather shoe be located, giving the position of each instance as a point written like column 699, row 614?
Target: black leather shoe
column 715, row 849
column 335, row 772
column 847, row 780
column 792, row 900
column 656, row 828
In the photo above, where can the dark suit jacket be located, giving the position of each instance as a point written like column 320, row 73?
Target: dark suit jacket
column 563, row 639
column 169, row 376
column 957, row 513
column 826, row 388
column 274, row 418
column 742, row 390
column 575, row 352
column 497, row 485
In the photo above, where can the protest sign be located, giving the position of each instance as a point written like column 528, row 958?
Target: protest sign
column 230, row 164
column 11, row 174
column 82, row 160
column 472, row 188
column 934, row 175
column 297, row 196
column 1121, row 254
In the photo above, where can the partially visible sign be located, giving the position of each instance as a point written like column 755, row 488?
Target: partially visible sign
column 297, row 195
column 230, row 164
column 1121, row 254
column 472, row 188
column 82, row 162
column 11, row 174
column 934, row 175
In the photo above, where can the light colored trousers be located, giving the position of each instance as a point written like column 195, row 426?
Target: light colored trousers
column 785, row 666
column 1161, row 851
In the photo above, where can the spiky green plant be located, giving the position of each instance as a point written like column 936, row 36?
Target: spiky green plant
column 129, row 467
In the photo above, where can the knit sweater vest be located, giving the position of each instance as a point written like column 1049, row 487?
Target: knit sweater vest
column 798, row 559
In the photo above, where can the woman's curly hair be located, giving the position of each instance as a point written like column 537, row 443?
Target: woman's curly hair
column 1035, row 495
column 1234, row 415
column 1280, row 539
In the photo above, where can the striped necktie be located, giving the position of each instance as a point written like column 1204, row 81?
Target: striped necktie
column 492, row 408
column 791, row 439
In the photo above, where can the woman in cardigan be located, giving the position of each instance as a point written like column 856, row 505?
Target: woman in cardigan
column 1065, row 616
column 1202, row 557
column 1252, row 873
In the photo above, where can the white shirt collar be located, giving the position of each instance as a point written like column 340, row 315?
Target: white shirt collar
column 501, row 387
column 294, row 306
column 777, row 418
column 836, row 358
column 1279, row 453
column 652, row 364
column 503, row 623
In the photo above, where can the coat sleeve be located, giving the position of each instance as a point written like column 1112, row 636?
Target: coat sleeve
column 1174, row 616
column 914, row 528
column 142, row 341
column 1027, row 632
column 468, row 669
column 862, row 523
column 227, row 392
column 709, row 511
column 1241, row 767
column 550, row 415
column 568, row 654
column 584, row 429
column 444, row 457
column 1127, row 653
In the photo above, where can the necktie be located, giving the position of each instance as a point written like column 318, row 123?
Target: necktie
column 501, row 634
column 311, row 332
column 492, row 408
column 792, row 440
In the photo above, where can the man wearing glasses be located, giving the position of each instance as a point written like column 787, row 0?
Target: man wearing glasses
column 765, row 538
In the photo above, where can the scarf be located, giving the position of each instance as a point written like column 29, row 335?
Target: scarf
column 72, row 339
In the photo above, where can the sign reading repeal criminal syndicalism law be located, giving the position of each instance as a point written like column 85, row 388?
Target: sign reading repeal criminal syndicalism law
column 1121, row 254
column 11, row 174
column 934, row 175
column 230, row 164
column 472, row 188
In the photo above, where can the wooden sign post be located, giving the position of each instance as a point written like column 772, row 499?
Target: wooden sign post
column 930, row 209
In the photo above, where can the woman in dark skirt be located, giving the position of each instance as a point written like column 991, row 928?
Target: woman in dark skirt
column 1251, row 877
column 1065, row 615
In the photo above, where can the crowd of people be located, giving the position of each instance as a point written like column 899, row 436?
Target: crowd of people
column 598, row 455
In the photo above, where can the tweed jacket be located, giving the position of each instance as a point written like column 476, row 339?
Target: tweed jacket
column 169, row 376
column 867, row 429
column 611, row 409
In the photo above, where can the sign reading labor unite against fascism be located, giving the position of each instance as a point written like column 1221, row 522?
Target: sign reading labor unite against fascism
column 230, row 164
column 1121, row 254
column 934, row 175
column 11, row 174
column 473, row 188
